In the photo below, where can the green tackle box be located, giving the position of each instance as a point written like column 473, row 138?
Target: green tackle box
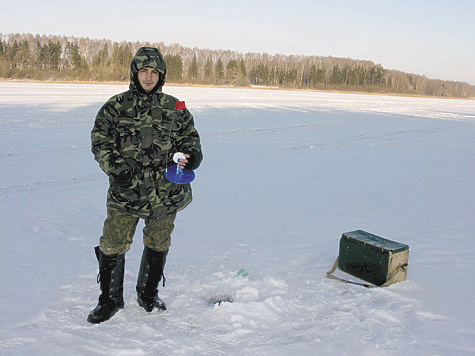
column 372, row 258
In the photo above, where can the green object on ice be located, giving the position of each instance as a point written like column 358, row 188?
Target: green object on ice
column 243, row 273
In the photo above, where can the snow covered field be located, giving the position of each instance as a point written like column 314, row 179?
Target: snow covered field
column 285, row 174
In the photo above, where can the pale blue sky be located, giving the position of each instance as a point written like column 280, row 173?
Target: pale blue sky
column 433, row 38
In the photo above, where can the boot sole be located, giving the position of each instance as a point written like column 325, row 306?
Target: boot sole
column 97, row 321
column 149, row 308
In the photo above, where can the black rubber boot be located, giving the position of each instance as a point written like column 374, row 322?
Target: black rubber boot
column 111, row 279
column 150, row 274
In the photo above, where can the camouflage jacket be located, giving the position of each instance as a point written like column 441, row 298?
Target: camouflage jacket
column 138, row 133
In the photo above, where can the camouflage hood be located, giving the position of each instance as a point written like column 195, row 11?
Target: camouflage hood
column 147, row 57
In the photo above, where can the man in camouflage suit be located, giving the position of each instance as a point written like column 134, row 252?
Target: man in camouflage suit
column 134, row 137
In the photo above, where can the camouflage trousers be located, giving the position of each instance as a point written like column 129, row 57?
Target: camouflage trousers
column 119, row 230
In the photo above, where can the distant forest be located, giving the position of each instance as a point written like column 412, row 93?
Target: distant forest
column 61, row 58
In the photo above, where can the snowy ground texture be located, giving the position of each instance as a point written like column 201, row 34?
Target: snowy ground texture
column 285, row 174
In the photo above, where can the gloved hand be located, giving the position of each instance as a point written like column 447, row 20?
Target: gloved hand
column 191, row 161
column 122, row 176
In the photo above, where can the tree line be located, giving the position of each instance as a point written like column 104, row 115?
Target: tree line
column 47, row 57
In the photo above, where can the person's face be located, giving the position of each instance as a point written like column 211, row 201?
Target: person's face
column 148, row 78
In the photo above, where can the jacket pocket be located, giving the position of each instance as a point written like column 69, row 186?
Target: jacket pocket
column 128, row 136
column 178, row 192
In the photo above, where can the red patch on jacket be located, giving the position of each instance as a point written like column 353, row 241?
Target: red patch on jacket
column 180, row 105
